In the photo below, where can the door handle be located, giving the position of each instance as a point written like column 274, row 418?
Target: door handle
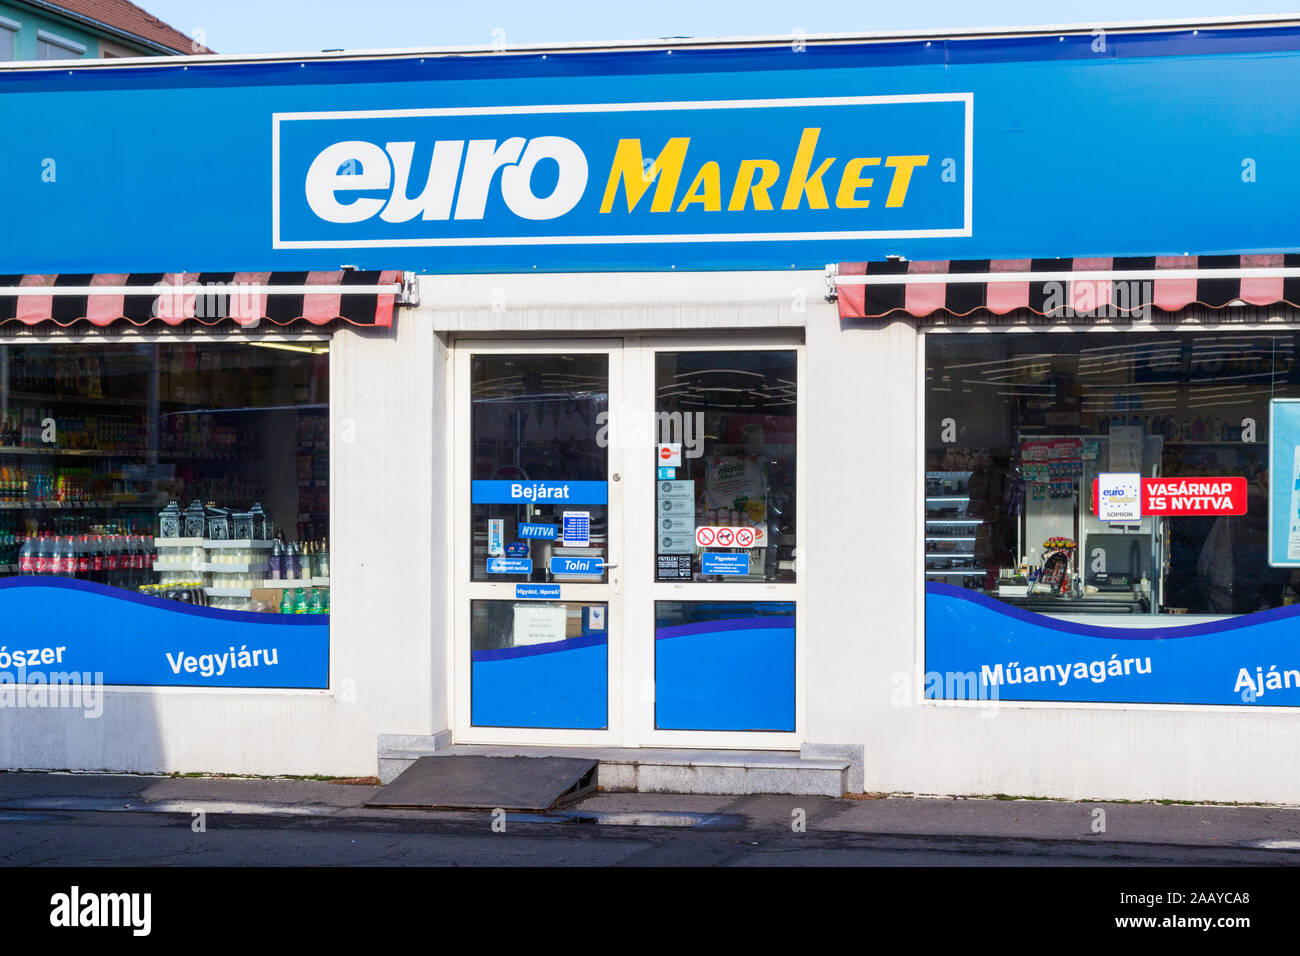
column 608, row 566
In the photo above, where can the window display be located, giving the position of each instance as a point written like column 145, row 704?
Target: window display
column 725, row 488
column 540, row 467
column 1093, row 493
column 190, row 472
column 1032, row 431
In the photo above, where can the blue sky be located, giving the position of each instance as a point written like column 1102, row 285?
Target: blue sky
column 258, row 26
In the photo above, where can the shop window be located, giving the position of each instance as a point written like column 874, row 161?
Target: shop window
column 725, row 500
column 1035, row 587
column 539, row 487
column 134, row 478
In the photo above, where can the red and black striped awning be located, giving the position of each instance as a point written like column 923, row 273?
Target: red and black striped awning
column 210, row 298
column 1115, row 287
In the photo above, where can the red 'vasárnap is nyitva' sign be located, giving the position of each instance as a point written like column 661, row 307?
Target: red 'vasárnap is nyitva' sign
column 1189, row 496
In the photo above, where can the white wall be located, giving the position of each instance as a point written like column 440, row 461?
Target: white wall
column 386, row 638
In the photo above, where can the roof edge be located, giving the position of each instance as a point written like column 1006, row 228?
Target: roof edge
column 670, row 43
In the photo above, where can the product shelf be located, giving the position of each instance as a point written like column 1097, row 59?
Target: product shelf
column 245, row 543
column 72, row 505
column 211, row 568
column 174, row 566
column 56, row 451
column 228, row 592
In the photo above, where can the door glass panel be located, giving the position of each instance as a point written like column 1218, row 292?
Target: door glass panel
column 540, row 465
column 539, row 664
column 725, row 665
column 728, row 419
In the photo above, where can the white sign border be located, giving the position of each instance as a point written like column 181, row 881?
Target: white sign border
column 968, row 202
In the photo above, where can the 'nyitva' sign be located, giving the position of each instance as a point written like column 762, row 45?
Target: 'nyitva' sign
column 1187, row 496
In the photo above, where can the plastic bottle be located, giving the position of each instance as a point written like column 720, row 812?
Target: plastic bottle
column 275, row 563
column 85, row 562
column 286, row 602
column 299, row 602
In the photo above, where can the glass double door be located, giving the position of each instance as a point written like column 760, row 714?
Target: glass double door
column 626, row 543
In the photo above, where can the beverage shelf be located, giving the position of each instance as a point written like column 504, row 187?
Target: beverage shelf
column 174, row 567
column 317, row 582
column 73, row 505
column 57, row 452
column 54, row 450
column 228, row 592
column 245, row 543
column 245, row 568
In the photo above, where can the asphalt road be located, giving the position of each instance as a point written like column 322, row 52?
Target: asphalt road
column 98, row 838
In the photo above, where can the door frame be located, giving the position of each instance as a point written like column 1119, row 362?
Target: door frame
column 642, row 590
column 464, row 590
column 630, row 599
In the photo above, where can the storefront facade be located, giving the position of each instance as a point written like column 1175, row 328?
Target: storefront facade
column 597, row 450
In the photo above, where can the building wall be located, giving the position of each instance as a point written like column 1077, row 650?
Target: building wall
column 388, row 583
column 31, row 21
column 861, row 528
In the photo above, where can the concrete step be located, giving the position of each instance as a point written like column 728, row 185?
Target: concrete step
column 654, row 769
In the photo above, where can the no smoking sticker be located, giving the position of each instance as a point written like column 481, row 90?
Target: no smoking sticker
column 707, row 536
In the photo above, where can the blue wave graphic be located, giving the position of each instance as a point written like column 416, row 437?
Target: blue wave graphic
column 561, row 684
column 726, row 675
column 135, row 639
column 1222, row 662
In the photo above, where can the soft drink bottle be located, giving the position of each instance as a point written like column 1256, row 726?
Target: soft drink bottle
column 85, row 559
column 27, row 557
column 299, row 602
column 286, row 602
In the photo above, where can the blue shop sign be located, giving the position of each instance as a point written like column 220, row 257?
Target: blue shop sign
column 592, row 566
column 541, row 592
column 759, row 158
column 724, row 562
column 538, row 492
column 509, row 565
column 543, row 532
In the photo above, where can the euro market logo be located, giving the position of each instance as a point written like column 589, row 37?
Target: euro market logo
column 716, row 171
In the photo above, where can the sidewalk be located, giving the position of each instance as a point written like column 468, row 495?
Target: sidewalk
column 1178, row 825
